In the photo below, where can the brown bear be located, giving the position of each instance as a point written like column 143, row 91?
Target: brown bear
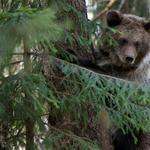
column 130, row 60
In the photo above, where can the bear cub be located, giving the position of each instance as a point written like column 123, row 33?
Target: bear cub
column 129, row 60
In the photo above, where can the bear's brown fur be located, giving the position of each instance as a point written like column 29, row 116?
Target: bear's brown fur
column 129, row 60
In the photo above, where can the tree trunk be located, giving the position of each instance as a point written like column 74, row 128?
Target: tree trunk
column 80, row 5
column 99, row 132
column 27, row 67
column 2, row 142
column 29, row 124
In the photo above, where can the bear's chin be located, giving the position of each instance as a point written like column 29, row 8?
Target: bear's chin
column 127, row 67
column 130, row 67
column 134, row 66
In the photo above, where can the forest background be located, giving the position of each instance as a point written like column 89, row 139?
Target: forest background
column 47, row 102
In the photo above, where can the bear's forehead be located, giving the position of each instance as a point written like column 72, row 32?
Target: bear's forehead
column 132, row 30
column 133, row 18
column 131, row 22
column 127, row 25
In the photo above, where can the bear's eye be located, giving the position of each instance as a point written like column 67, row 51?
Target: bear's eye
column 123, row 41
column 137, row 44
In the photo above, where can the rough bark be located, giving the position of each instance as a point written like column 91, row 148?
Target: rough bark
column 98, row 132
column 80, row 5
column 2, row 142
column 27, row 67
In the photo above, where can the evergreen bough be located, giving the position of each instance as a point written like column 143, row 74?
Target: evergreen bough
column 126, row 102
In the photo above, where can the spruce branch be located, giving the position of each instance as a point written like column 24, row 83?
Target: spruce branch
column 13, row 63
column 80, row 140
column 57, row 62
column 15, row 136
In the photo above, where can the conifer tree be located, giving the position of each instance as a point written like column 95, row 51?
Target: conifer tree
column 51, row 103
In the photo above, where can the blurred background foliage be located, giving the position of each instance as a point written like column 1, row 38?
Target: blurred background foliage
column 95, row 7
column 136, row 7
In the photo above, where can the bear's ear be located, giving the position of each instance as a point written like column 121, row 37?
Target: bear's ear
column 146, row 24
column 114, row 18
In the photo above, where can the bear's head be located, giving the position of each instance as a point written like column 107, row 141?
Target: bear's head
column 133, row 45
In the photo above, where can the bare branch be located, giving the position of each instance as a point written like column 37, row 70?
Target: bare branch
column 15, row 136
column 38, row 142
column 105, row 10
column 13, row 63
column 121, row 5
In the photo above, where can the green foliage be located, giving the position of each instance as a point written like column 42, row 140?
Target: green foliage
column 81, row 87
column 106, row 36
column 20, row 89
column 130, row 7
column 82, row 143
column 125, row 98
column 15, row 25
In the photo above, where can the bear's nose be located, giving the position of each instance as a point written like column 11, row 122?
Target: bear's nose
column 129, row 59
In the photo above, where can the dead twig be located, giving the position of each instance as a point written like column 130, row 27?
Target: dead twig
column 121, row 5
column 38, row 142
